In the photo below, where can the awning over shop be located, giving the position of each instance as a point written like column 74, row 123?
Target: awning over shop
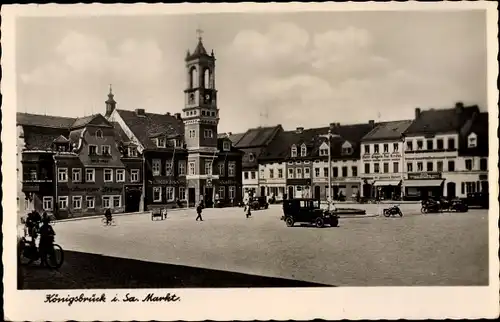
column 424, row 183
column 380, row 183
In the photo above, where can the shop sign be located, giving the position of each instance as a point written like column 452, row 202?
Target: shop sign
column 31, row 187
column 97, row 160
column 304, row 182
column 395, row 155
column 92, row 189
column 228, row 182
column 424, row 175
column 168, row 182
column 376, row 155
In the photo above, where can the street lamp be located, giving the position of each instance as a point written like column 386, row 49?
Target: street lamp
column 403, row 166
column 329, row 136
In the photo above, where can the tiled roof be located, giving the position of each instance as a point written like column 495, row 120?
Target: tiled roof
column 42, row 138
column 236, row 137
column 119, row 133
column 478, row 125
column 144, row 127
column 257, row 137
column 44, row 120
column 220, row 146
column 441, row 120
column 82, row 121
column 199, row 51
column 388, row 130
column 61, row 139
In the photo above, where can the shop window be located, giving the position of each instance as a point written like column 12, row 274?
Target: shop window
column 182, row 193
column 117, row 201
column 77, row 202
column 47, row 203
column 232, row 192
column 90, row 202
column 170, row 193
column 156, row 194
column 63, row 202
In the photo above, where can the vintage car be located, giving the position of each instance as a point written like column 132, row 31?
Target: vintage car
column 307, row 211
column 478, row 199
column 259, row 203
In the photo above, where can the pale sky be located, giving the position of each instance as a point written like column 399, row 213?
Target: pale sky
column 295, row 69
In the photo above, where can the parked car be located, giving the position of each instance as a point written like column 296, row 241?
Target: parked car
column 478, row 199
column 307, row 211
column 259, row 203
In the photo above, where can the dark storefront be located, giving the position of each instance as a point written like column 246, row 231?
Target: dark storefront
column 421, row 186
column 38, row 183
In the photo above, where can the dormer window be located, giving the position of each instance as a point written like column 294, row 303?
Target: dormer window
column 226, row 146
column 347, row 148
column 251, row 157
column 92, row 149
column 472, row 140
column 98, row 134
column 303, row 150
column 106, row 150
column 160, row 142
column 294, row 151
column 132, row 151
column 323, row 149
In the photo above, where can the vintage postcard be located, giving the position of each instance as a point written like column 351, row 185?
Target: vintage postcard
column 250, row 161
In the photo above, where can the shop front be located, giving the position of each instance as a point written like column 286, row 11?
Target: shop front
column 299, row 188
column 425, row 185
column 387, row 189
column 166, row 193
column 228, row 192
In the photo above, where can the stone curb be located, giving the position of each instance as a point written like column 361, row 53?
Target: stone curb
column 359, row 216
column 117, row 215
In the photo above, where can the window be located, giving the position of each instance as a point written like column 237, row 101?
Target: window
column 120, row 175
column 245, row 175
column 76, row 175
column 160, row 142
column 168, row 168
column 386, row 167
column 294, row 151
column 430, row 166
column 354, row 170
column 303, row 150
column 468, row 164
column 108, row 175
column 47, row 203
column 92, row 149
column 323, row 152
column 420, row 166
column 395, row 167
column 117, row 201
column 106, row 150
column 483, row 164
column 156, row 194
column 346, row 150
column 271, row 173
column 106, row 201
column 182, row 193
column 134, row 175
column 290, row 173
column 63, row 202
column 208, row 167
column 170, row 193
column 409, row 145
column 192, row 133
column 132, row 151
column 62, row 175
column 451, row 166
column 192, row 168
column 280, row 173
column 376, row 148
column 90, row 175
column 344, row 172
column 395, row 147
column 316, row 172
column 367, row 149
column 409, row 166
column 98, row 134
column 298, row 173
column 182, row 168
column 451, row 144
column 420, row 144
column 335, row 172
column 156, row 167
column 90, row 202
column 307, row 172
column 376, row 168
column 222, row 192
column 33, row 175
column 77, row 202
column 231, row 169
column 253, row 174
column 439, row 144
column 232, row 192
column 325, row 172
column 439, row 166
column 430, row 145
column 208, row 133
column 386, row 148
column 367, row 168
column 472, row 141
column 226, row 146
column 222, row 169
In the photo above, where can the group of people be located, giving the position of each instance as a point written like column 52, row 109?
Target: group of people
column 247, row 209
column 36, row 225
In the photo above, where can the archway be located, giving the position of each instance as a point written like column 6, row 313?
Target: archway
column 193, row 75
column 206, row 78
column 451, row 190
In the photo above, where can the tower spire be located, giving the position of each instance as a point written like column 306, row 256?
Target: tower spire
column 110, row 103
column 199, row 33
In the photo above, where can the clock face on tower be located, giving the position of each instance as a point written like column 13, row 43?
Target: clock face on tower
column 208, row 98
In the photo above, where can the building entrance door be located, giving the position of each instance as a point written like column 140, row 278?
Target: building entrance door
column 451, row 190
column 208, row 197
column 317, row 192
column 290, row 192
column 191, row 197
column 262, row 191
column 132, row 200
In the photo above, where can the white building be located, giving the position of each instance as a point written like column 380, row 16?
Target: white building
column 272, row 177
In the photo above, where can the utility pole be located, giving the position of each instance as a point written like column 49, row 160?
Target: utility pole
column 329, row 136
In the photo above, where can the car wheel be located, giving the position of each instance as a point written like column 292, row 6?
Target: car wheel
column 423, row 210
column 319, row 222
column 386, row 213
column 289, row 221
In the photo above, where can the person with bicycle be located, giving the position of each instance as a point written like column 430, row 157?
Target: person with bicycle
column 47, row 234
column 108, row 216
column 32, row 224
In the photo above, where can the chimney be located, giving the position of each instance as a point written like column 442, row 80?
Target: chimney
column 229, row 133
column 177, row 116
column 168, row 113
column 417, row 113
column 140, row 112
column 371, row 123
column 299, row 130
column 459, row 107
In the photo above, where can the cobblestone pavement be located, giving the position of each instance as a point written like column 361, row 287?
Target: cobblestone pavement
column 432, row 249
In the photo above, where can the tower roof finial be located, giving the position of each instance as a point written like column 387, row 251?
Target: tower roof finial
column 110, row 89
column 199, row 32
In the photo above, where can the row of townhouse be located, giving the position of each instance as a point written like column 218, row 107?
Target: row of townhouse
column 441, row 152
column 131, row 160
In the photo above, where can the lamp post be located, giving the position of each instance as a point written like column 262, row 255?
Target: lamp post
column 329, row 137
column 402, row 166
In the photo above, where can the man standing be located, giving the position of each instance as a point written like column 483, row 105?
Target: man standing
column 198, row 210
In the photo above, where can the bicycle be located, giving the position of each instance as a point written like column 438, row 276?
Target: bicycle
column 105, row 222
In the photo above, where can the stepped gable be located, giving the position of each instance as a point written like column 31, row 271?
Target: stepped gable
column 435, row 121
column 388, row 131
column 147, row 125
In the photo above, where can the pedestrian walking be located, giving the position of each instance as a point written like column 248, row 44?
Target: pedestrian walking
column 248, row 211
column 198, row 211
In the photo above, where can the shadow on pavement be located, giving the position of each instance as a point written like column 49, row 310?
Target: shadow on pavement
column 90, row 271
